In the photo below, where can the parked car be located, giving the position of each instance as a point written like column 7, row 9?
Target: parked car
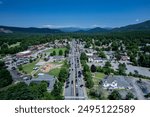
column 26, row 78
column 66, row 86
column 13, row 68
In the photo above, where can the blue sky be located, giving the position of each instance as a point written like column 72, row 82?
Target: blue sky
column 73, row 13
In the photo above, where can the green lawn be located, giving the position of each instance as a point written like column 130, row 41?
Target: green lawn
column 96, row 79
column 14, row 45
column 54, row 72
column 99, row 75
column 56, row 50
column 28, row 68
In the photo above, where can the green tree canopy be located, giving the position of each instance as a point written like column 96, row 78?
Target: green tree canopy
column 93, row 68
column 115, row 95
column 60, row 52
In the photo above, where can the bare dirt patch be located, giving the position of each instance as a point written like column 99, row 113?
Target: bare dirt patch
column 47, row 67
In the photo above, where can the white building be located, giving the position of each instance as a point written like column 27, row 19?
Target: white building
column 95, row 59
column 89, row 54
column 24, row 54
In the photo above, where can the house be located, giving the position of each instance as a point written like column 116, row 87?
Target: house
column 43, row 77
column 95, row 59
column 147, row 53
column 51, row 45
column 116, row 82
column 148, row 44
column 125, row 58
column 89, row 54
column 33, row 48
column 109, row 55
column 21, row 61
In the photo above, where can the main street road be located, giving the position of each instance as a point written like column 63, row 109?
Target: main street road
column 75, row 86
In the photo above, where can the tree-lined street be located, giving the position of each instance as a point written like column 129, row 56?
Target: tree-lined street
column 75, row 86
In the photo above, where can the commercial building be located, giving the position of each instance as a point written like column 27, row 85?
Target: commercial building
column 24, row 54
column 43, row 77
column 116, row 82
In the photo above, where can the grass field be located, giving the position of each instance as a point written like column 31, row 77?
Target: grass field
column 14, row 45
column 56, row 50
column 99, row 75
column 54, row 72
column 28, row 68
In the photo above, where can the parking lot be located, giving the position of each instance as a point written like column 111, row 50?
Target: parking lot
column 130, row 68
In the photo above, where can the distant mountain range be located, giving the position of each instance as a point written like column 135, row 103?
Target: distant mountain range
column 144, row 26
column 138, row 27
column 73, row 29
column 97, row 29
column 8, row 29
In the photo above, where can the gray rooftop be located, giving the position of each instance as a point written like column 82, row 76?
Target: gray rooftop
column 43, row 77
column 121, row 80
column 58, row 57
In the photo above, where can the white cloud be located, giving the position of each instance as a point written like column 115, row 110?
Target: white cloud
column 75, row 26
column 57, row 26
column 95, row 25
column 137, row 20
column 1, row 2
